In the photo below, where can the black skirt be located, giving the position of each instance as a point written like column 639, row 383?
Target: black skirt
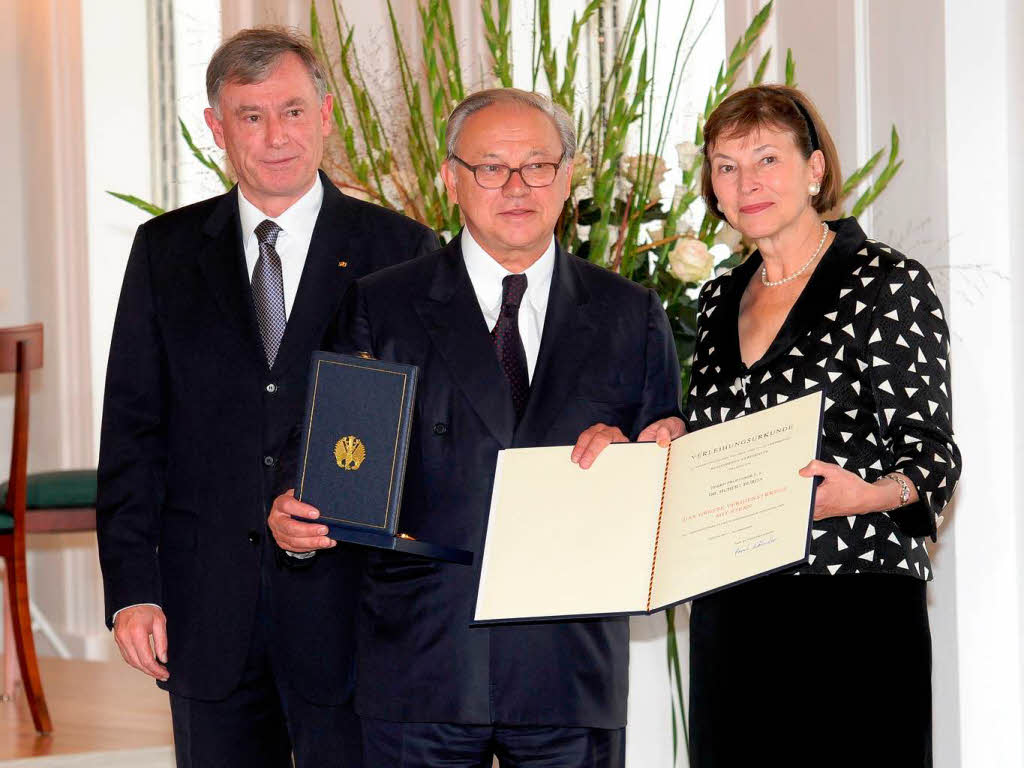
column 812, row 670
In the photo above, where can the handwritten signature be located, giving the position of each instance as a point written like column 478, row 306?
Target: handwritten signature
column 744, row 548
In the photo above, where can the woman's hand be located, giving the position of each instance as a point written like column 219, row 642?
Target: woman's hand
column 842, row 492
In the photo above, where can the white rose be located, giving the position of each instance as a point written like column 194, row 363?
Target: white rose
column 582, row 171
column 686, row 152
column 729, row 237
column 631, row 167
column 690, row 260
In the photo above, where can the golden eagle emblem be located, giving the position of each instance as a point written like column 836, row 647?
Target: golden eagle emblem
column 349, row 452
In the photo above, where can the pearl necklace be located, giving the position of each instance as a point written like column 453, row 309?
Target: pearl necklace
column 773, row 283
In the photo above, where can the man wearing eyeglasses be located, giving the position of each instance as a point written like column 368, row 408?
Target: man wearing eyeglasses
column 519, row 344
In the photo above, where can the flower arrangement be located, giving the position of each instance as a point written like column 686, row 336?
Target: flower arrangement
column 616, row 216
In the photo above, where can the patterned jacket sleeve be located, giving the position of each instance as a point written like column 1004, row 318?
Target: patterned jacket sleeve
column 689, row 401
column 908, row 352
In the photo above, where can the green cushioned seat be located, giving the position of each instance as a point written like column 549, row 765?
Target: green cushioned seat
column 47, row 490
column 6, row 522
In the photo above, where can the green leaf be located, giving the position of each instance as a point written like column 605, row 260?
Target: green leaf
column 790, row 68
column 861, row 173
column 892, row 167
column 206, row 160
column 759, row 74
column 153, row 210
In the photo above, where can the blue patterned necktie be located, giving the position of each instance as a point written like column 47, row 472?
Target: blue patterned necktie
column 508, row 344
column 268, row 290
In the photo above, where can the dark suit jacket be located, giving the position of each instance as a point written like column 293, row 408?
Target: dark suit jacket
column 606, row 355
column 194, row 424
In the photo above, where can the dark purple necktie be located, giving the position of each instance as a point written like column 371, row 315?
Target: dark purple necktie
column 509, row 345
column 268, row 290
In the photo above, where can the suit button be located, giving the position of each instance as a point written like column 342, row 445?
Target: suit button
column 268, row 461
column 254, row 537
column 440, row 428
column 271, row 388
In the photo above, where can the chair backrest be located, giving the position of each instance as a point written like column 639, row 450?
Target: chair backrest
column 9, row 340
column 21, row 350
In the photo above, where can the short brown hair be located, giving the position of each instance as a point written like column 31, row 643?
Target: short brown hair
column 249, row 55
column 776, row 107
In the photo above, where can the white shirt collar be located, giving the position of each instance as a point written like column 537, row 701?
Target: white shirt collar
column 299, row 217
column 486, row 274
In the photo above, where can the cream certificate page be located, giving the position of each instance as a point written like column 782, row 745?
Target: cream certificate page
column 647, row 527
column 735, row 506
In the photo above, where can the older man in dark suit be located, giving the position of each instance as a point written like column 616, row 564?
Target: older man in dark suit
column 519, row 344
column 222, row 304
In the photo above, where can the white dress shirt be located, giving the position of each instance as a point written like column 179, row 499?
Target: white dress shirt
column 293, row 240
column 486, row 275
column 292, row 245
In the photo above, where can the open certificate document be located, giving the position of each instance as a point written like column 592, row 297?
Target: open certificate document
column 647, row 527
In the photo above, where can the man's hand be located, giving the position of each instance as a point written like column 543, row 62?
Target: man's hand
column 594, row 440
column 295, row 535
column 663, row 431
column 133, row 628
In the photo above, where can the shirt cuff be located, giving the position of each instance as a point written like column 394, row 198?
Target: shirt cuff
column 113, row 620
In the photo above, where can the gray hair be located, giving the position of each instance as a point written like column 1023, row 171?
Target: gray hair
column 250, row 55
column 483, row 99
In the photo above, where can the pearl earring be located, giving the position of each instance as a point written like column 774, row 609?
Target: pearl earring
column 813, row 188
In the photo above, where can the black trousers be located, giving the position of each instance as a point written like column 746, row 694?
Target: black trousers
column 429, row 745
column 812, row 670
column 264, row 721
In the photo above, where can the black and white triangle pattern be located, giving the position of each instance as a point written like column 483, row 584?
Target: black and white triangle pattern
column 880, row 352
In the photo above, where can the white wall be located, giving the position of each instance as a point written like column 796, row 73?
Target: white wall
column 117, row 139
column 983, row 77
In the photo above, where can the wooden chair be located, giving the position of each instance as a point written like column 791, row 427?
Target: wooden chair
column 45, row 502
column 21, row 351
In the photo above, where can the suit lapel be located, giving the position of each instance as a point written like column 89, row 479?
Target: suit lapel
column 323, row 281
column 570, row 325
column 222, row 262
column 452, row 318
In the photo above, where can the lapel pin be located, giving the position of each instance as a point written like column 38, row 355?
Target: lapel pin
column 342, row 264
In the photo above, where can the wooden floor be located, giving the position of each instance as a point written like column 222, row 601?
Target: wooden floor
column 95, row 706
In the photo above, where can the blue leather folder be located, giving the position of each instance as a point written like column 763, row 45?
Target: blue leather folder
column 355, row 440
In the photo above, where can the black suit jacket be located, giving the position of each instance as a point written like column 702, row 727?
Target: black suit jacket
column 194, row 425
column 606, row 355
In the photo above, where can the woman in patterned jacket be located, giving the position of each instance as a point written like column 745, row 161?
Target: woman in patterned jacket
column 830, row 664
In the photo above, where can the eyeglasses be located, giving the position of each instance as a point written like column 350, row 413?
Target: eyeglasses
column 496, row 176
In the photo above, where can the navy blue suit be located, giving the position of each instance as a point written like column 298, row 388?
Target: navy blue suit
column 194, row 426
column 606, row 355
